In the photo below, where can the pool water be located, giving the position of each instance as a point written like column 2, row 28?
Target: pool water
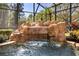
column 36, row 48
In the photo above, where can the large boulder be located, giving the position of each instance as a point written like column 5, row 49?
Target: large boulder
column 53, row 30
column 61, row 31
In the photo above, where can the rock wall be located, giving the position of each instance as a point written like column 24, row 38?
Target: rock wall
column 26, row 32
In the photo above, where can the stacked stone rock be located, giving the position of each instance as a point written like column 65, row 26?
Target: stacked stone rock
column 55, row 30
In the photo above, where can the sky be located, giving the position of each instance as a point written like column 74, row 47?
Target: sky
column 29, row 7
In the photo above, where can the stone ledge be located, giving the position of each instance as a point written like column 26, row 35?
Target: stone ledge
column 73, row 43
column 6, row 43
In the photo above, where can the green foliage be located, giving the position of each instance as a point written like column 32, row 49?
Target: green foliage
column 5, row 33
column 43, row 15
